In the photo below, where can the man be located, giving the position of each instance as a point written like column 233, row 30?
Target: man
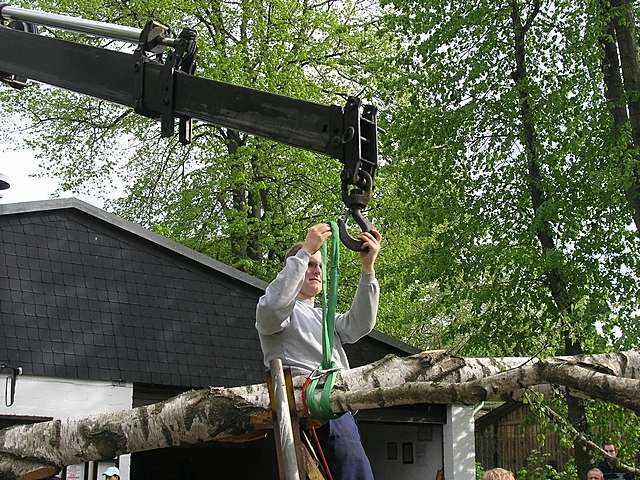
column 609, row 467
column 111, row 473
column 595, row 474
column 290, row 327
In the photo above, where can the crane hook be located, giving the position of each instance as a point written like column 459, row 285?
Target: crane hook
column 351, row 243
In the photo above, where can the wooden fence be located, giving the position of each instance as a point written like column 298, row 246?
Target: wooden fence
column 506, row 438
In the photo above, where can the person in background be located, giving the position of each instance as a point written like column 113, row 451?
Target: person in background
column 111, row 473
column 609, row 467
column 498, row 474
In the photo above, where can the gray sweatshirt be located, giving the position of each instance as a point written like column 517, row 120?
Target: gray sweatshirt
column 291, row 329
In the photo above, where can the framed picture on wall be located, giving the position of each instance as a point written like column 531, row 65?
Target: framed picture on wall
column 392, row 451
column 407, row 452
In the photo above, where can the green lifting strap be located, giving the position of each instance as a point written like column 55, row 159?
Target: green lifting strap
column 322, row 410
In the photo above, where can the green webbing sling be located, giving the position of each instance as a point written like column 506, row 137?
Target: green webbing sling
column 322, row 410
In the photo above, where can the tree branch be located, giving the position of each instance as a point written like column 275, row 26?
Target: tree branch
column 226, row 414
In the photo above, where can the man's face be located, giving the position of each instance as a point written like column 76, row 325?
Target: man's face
column 611, row 450
column 594, row 475
column 312, row 285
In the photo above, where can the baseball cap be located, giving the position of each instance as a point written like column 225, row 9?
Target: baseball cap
column 111, row 471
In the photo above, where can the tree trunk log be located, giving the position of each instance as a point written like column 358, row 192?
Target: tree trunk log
column 629, row 61
column 226, row 414
column 617, row 33
column 556, row 280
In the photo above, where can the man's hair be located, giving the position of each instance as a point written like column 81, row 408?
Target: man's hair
column 295, row 248
column 596, row 470
column 498, row 474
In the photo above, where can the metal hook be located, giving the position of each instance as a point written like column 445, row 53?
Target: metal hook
column 351, row 243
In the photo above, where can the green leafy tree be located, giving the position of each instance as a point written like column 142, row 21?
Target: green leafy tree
column 504, row 167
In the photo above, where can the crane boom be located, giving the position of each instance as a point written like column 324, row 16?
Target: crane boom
column 157, row 81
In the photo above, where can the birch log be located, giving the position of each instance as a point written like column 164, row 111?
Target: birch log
column 227, row 414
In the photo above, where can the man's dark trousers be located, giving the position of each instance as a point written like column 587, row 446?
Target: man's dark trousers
column 340, row 440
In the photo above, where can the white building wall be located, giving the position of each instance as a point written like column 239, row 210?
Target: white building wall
column 62, row 398
column 403, row 451
column 59, row 397
column 459, row 443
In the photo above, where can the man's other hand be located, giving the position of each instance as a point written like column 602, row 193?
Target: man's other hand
column 316, row 237
column 370, row 251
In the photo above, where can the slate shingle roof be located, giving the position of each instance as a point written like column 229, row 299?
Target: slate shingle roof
column 84, row 294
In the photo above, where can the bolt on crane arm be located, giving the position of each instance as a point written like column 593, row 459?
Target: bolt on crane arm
column 157, row 81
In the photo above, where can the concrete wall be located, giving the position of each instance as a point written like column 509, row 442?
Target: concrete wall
column 459, row 443
column 60, row 398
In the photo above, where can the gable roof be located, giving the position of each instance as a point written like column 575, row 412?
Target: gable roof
column 86, row 294
column 135, row 229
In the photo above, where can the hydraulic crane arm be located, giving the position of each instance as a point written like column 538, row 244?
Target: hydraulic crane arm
column 157, row 81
